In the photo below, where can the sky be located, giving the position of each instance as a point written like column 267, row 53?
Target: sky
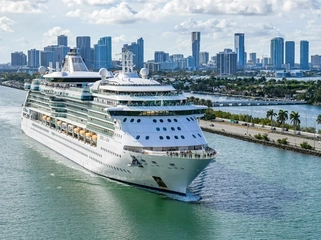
column 165, row 25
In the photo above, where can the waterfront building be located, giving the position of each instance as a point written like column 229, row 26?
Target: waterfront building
column 277, row 52
column 239, row 49
column 196, row 44
column 137, row 48
column 190, row 63
column 84, row 48
column 290, row 53
column 18, row 59
column 304, row 54
column 226, row 62
column 62, row 40
column 33, row 58
column 161, row 56
column 103, row 53
column 204, row 58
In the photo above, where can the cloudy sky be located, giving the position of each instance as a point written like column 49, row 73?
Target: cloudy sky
column 163, row 24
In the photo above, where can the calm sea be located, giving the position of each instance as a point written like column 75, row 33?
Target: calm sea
column 250, row 192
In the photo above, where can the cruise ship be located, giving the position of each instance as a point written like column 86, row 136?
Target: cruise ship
column 120, row 125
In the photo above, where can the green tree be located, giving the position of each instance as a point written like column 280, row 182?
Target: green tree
column 318, row 119
column 270, row 114
column 282, row 117
column 295, row 119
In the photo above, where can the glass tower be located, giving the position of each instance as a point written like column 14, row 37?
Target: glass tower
column 83, row 44
column 290, row 53
column 304, row 54
column 277, row 52
column 196, row 42
column 239, row 49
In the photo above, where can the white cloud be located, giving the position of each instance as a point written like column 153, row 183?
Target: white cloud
column 76, row 13
column 5, row 24
column 23, row 6
column 50, row 37
column 119, row 39
column 71, row 3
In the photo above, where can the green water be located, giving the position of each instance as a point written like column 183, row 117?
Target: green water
column 250, row 192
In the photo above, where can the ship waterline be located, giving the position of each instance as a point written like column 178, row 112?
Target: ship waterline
column 123, row 127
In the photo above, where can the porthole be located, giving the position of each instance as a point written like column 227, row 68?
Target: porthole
column 161, row 137
column 168, row 137
column 158, row 129
column 179, row 128
column 175, row 137
column 161, row 120
column 125, row 119
column 175, row 120
column 137, row 137
column 173, row 129
column 199, row 135
column 188, row 119
column 194, row 136
column 169, row 120
column 147, row 137
column 182, row 137
column 154, row 120
column 138, row 120
column 192, row 119
column 132, row 120
column 164, row 128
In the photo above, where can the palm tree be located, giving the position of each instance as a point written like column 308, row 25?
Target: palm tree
column 318, row 119
column 295, row 119
column 270, row 114
column 209, row 103
column 282, row 117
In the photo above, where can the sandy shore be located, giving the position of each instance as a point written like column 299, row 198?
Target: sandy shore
column 247, row 133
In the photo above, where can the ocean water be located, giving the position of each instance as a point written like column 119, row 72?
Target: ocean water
column 249, row 192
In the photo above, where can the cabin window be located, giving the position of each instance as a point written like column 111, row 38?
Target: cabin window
column 164, row 128
column 125, row 119
column 182, row 137
column 158, row 129
column 161, row 137
column 137, row 137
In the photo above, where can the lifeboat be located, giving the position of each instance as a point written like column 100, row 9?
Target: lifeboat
column 76, row 130
column 59, row 123
column 82, row 132
column 48, row 119
column 89, row 134
column 44, row 117
column 94, row 137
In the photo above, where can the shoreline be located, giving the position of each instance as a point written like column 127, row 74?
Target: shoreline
column 244, row 133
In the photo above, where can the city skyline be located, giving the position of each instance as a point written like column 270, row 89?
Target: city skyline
column 164, row 25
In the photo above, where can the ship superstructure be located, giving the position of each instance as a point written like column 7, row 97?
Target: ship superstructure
column 122, row 126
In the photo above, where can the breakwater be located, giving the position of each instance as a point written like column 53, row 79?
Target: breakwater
column 249, row 138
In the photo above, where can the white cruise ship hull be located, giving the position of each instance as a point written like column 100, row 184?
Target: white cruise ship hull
column 109, row 159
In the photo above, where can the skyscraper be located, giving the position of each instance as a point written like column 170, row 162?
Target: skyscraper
column 18, row 59
column 83, row 44
column 204, row 57
column 138, row 50
column 277, row 52
column 59, row 53
column 196, row 42
column 33, row 58
column 226, row 62
column 304, row 54
column 62, row 40
column 239, row 49
column 290, row 53
column 103, row 53
column 252, row 58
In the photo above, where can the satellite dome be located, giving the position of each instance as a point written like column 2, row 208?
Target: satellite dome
column 103, row 72
column 42, row 70
column 144, row 72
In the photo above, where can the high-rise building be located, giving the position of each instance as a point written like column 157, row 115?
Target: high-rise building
column 62, row 40
column 304, row 54
column 226, row 62
column 159, row 56
column 252, row 58
column 290, row 53
column 59, row 53
column 46, row 57
column 239, row 49
column 33, row 58
column 277, row 52
column 138, row 50
column 196, row 44
column 316, row 61
column 204, row 57
column 83, row 44
column 18, row 59
column 103, row 53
